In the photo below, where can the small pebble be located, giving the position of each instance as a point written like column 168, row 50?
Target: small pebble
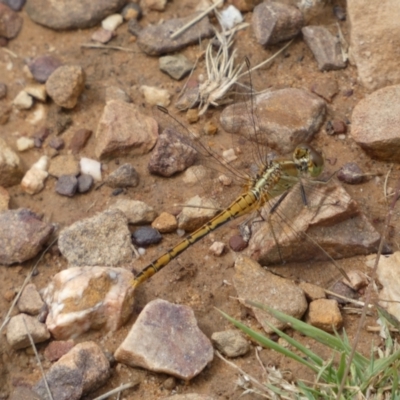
column 176, row 66
column 230, row 17
column 112, row 22
column 132, row 11
column 229, row 155
column 117, row 192
column 155, row 5
column 335, row 127
column 170, row 383
column 43, row 66
column 23, row 101
column 57, row 143
column 155, row 96
column 339, row 13
column 351, row 173
column 85, row 182
column 192, row 115
column 210, row 128
column 165, row 223
column 79, row 140
column 67, row 185
column 102, row 35
column 124, row 176
column 225, row 180
column 3, row 90
column 42, row 134
column 217, row 248
column 146, row 236
column 236, row 243
column 25, row 143
column 91, row 167
column 37, row 92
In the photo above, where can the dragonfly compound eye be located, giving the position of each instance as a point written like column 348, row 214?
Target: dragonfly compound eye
column 309, row 159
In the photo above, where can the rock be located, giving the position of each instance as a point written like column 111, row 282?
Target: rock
column 230, row 17
column 245, row 5
column 155, row 5
column 72, row 15
column 237, row 243
column 84, row 298
column 155, row 96
column 79, row 140
column 91, row 167
column 83, row 369
column 252, row 282
column 197, row 212
column 112, row 22
column 24, row 143
column 312, row 292
column 195, row 175
column 336, row 127
column 137, row 212
column 10, row 169
column 374, row 42
column 37, row 91
column 57, row 143
column 331, row 219
column 23, row 393
column 3, row 90
column 325, row 87
column 217, row 248
column 132, row 11
column 165, row 223
column 275, row 22
column 4, row 199
column 176, row 66
column 100, row 240
column 124, row 176
column 123, row 129
column 192, row 115
column 64, row 165
column 325, row 314
column 43, row 66
column 358, row 280
column 388, row 274
column 17, row 336
column 85, row 183
column 172, row 154
column 156, row 40
column 33, row 180
column 374, row 122
column 55, row 350
column 190, row 97
column 30, row 301
column 67, row 185
column 102, row 35
column 285, row 118
column 116, row 93
column 15, row 5
column 351, row 173
column 340, row 13
column 343, row 290
column 65, row 85
column 23, row 101
column 24, row 236
column 10, row 22
column 134, row 27
column 145, row 236
column 325, row 47
column 230, row 343
column 186, row 350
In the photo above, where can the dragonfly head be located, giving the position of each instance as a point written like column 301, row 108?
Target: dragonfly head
column 308, row 160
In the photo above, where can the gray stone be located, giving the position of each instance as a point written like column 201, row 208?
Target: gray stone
column 116, row 93
column 30, row 301
column 43, row 66
column 230, row 343
column 124, row 176
column 146, row 236
column 136, row 211
column 67, row 185
column 176, row 66
column 10, row 22
column 85, row 182
column 351, row 173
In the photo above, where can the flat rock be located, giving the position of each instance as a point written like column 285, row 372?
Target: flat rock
column 65, row 85
column 73, row 14
column 10, row 169
column 374, row 42
column 10, row 22
column 252, row 282
column 17, row 335
column 230, row 343
column 172, row 154
column 30, row 301
column 284, row 118
column 24, row 236
column 66, row 164
column 100, row 240
column 275, row 22
column 374, row 124
column 136, row 211
column 83, row 369
column 155, row 40
column 123, row 129
column 325, row 47
column 124, row 176
column 176, row 66
column 186, row 351
column 332, row 219
column 325, row 314
column 84, row 298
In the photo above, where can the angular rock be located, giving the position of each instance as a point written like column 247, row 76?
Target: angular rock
column 123, row 129
column 85, row 182
column 165, row 223
column 145, row 236
column 374, row 42
column 358, row 280
column 185, row 349
column 64, row 165
column 102, row 36
column 79, row 140
column 112, row 22
column 136, row 211
column 91, row 167
column 283, row 118
column 10, row 22
column 230, row 343
column 351, row 173
column 217, row 249
column 30, row 301
column 116, row 93
column 84, row 298
column 65, row 85
column 331, row 219
column 312, row 292
column 74, row 14
column 325, row 314
column 77, row 373
column 195, row 175
column 173, row 153
column 24, row 236
column 100, row 240
column 155, row 96
column 17, row 335
column 155, row 40
column 56, row 349
column 325, row 47
column 67, row 185
column 176, row 66
column 43, row 66
column 198, row 211
column 124, row 176
column 38, row 92
column 22, row 100
column 33, row 180
column 57, row 143
column 10, row 169
column 374, row 124
column 252, row 282
column 325, row 87
column 275, row 22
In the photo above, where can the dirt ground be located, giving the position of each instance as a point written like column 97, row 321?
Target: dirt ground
column 196, row 278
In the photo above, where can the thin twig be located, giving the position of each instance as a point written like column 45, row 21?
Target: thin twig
column 195, row 20
column 8, row 51
column 348, row 299
column 38, row 359
column 102, row 46
column 118, row 390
